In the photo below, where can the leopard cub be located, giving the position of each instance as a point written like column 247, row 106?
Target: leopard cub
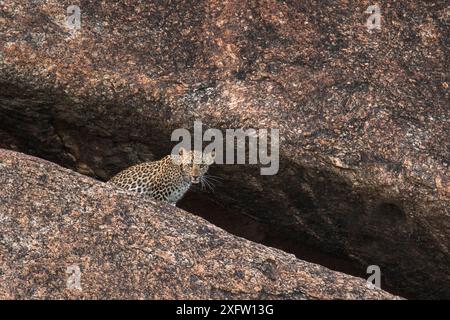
column 167, row 179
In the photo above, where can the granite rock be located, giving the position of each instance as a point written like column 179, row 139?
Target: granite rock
column 57, row 225
column 363, row 116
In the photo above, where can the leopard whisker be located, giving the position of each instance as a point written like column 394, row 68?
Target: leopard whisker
column 202, row 184
column 209, row 184
column 214, row 177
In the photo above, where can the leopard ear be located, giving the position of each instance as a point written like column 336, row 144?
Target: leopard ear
column 210, row 157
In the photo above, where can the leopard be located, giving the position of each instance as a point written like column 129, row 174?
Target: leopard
column 169, row 178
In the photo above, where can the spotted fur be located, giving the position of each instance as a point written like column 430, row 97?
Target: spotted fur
column 167, row 179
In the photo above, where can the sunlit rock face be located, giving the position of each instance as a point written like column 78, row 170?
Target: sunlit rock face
column 72, row 237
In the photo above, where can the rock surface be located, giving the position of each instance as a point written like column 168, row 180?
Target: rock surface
column 364, row 116
column 133, row 248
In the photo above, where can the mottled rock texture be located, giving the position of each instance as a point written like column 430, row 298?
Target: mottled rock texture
column 364, row 116
column 129, row 247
